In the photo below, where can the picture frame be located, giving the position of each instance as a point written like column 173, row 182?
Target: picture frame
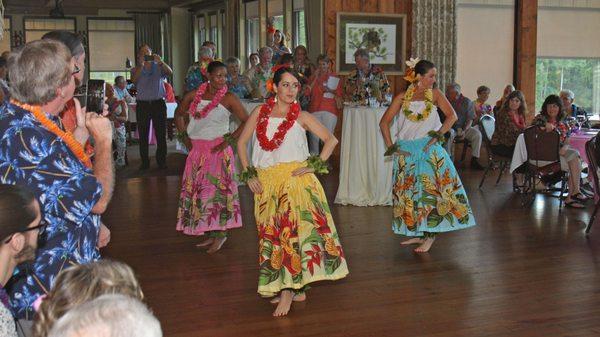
column 383, row 35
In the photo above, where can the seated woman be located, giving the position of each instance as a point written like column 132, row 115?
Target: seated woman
column 510, row 122
column 238, row 84
column 551, row 118
column 480, row 104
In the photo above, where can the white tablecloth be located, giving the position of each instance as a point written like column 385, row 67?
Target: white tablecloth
column 520, row 154
column 365, row 174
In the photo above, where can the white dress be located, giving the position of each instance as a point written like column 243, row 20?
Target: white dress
column 213, row 126
column 409, row 130
column 294, row 146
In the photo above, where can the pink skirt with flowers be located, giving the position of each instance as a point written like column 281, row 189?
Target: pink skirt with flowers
column 209, row 199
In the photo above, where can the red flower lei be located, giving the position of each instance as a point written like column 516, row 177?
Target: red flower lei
column 263, row 120
column 210, row 106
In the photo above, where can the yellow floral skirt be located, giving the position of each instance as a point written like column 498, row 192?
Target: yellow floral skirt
column 428, row 196
column 298, row 242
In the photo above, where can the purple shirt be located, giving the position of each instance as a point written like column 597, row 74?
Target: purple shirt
column 149, row 85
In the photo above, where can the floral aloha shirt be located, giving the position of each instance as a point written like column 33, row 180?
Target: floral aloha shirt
column 357, row 84
column 32, row 156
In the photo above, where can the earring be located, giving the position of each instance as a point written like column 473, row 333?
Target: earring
column 275, row 99
column 295, row 102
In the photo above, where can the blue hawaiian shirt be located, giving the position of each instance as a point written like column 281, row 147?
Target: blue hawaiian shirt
column 32, row 156
column 194, row 77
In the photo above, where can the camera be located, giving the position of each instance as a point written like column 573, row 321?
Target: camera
column 96, row 91
column 148, row 58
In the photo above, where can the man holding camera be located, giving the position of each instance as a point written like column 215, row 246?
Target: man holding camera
column 148, row 77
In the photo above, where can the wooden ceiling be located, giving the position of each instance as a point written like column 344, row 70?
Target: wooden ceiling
column 90, row 7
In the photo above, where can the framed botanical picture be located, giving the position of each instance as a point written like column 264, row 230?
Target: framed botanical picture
column 382, row 35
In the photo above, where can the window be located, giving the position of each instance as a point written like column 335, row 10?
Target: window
column 252, row 27
column 299, row 24
column 568, row 52
column 201, row 22
column 5, row 43
column 275, row 10
column 111, row 43
column 214, row 29
column 485, row 46
column 35, row 28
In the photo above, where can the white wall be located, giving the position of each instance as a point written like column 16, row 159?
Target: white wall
column 485, row 38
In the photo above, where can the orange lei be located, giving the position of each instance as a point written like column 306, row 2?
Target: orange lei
column 65, row 136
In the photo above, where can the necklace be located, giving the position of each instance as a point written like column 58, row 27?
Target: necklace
column 263, row 119
column 210, row 106
column 65, row 136
column 416, row 116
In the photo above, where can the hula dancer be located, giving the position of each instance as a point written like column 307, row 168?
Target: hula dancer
column 428, row 195
column 298, row 242
column 209, row 201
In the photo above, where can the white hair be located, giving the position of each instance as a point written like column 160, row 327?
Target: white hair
column 111, row 315
column 570, row 94
column 205, row 51
column 264, row 50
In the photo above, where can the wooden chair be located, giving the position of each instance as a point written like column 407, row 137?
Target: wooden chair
column 543, row 163
column 590, row 150
column 487, row 125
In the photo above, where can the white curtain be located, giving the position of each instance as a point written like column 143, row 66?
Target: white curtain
column 434, row 36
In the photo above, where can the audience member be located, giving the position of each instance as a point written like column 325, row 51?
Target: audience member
column 507, row 90
column 196, row 73
column 571, row 110
column 551, row 118
column 118, row 115
column 238, row 84
column 108, row 316
column 279, row 47
column 81, row 284
column 121, row 92
column 253, row 60
column 463, row 128
column 72, row 191
column 261, row 73
column 148, row 76
column 366, row 80
column 480, row 104
column 326, row 100
column 20, row 226
column 510, row 123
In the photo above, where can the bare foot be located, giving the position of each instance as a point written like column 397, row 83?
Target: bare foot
column 299, row 297
column 285, row 303
column 216, row 245
column 412, row 241
column 206, row 242
column 424, row 247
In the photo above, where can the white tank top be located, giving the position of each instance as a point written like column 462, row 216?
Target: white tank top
column 214, row 125
column 293, row 148
column 409, row 130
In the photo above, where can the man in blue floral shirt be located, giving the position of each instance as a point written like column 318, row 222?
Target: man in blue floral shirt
column 37, row 153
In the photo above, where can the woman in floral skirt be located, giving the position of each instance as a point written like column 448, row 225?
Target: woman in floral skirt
column 298, row 242
column 428, row 195
column 209, row 201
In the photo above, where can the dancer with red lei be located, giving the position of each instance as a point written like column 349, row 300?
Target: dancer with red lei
column 298, row 242
column 209, row 201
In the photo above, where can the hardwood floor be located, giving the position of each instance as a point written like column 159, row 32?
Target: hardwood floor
column 519, row 272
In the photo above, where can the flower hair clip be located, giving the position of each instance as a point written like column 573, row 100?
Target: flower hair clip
column 410, row 75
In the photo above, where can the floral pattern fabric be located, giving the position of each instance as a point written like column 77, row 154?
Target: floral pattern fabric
column 360, row 86
column 194, row 76
column 298, row 242
column 34, row 157
column 258, row 78
column 209, row 199
column 428, row 196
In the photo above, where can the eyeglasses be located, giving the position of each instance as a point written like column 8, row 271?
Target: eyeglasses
column 42, row 227
column 76, row 71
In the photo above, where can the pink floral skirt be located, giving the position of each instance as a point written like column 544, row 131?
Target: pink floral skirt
column 209, row 199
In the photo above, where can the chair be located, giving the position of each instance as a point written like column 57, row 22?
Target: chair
column 487, row 125
column 543, row 163
column 590, row 150
column 465, row 143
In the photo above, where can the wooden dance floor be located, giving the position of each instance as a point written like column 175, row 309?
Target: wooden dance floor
column 520, row 272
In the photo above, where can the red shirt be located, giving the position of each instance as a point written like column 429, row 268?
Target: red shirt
column 320, row 103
